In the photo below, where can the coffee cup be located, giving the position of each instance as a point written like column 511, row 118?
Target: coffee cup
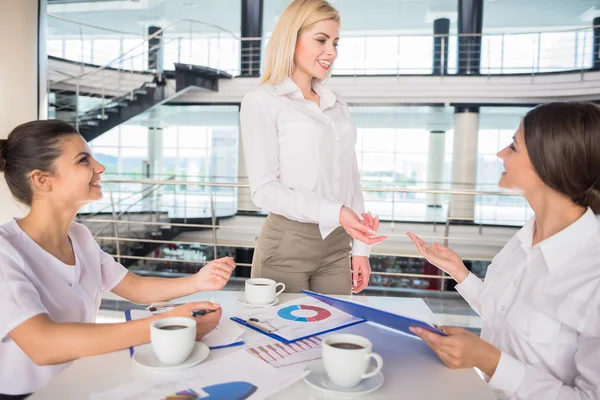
column 173, row 339
column 262, row 290
column 346, row 358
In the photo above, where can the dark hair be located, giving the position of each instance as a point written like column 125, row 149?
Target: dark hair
column 30, row 146
column 563, row 142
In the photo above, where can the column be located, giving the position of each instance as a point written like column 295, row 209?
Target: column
column 252, row 15
column 155, row 152
column 155, row 161
column 244, row 201
column 596, row 39
column 464, row 161
column 155, row 52
column 441, row 32
column 435, row 166
column 24, row 94
column 470, row 25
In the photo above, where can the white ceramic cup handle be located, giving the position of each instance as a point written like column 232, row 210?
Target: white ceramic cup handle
column 379, row 360
column 282, row 289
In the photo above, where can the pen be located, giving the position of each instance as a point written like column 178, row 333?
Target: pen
column 199, row 313
column 254, row 322
column 163, row 306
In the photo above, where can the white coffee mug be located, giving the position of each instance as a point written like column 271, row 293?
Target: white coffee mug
column 347, row 358
column 262, row 290
column 173, row 339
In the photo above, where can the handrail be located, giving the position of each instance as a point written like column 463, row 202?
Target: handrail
column 364, row 189
column 72, row 21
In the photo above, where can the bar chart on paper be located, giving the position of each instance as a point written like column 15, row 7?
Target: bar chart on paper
column 280, row 354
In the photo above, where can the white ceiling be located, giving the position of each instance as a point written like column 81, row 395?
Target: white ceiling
column 357, row 15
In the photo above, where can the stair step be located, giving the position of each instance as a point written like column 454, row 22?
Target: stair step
column 122, row 104
column 112, row 110
column 90, row 123
column 140, row 91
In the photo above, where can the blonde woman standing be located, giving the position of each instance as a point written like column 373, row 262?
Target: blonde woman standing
column 299, row 144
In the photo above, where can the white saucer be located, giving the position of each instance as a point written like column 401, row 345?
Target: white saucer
column 318, row 379
column 242, row 301
column 145, row 357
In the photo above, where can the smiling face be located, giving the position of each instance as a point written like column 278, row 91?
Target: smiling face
column 316, row 49
column 519, row 174
column 75, row 179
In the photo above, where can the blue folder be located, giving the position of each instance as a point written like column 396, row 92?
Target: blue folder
column 371, row 314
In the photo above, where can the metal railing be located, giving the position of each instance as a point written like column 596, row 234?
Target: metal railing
column 201, row 43
column 212, row 236
column 103, row 79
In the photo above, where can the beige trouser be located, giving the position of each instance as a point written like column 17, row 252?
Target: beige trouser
column 294, row 253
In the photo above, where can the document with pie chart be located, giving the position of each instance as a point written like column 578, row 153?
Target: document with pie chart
column 298, row 319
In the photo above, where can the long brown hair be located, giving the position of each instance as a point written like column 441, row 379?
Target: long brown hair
column 563, row 142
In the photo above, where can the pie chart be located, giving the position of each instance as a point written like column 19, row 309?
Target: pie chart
column 288, row 313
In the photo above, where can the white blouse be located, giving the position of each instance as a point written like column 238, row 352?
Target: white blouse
column 541, row 307
column 33, row 282
column 300, row 157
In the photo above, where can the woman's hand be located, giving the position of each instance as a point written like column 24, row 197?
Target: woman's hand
column 215, row 274
column 461, row 349
column 204, row 324
column 358, row 229
column 442, row 257
column 361, row 272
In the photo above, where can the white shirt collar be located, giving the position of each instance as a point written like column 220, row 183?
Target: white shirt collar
column 558, row 249
column 328, row 98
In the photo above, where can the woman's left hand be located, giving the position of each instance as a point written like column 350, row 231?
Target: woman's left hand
column 215, row 274
column 361, row 272
column 461, row 349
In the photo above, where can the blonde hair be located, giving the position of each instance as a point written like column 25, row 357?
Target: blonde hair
column 298, row 17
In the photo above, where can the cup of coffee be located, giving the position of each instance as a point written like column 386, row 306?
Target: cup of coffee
column 262, row 290
column 347, row 358
column 173, row 339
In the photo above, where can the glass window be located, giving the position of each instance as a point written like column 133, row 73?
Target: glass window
column 134, row 136
column 520, row 53
column 415, row 54
column 557, row 51
column 107, row 50
column 110, row 138
column 193, row 137
column 172, row 53
column 135, row 56
column 55, row 48
column 78, row 50
column 108, row 157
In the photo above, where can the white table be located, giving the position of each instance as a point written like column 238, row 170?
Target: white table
column 411, row 369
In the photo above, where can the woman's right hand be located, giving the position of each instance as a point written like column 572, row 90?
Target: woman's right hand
column 204, row 324
column 358, row 229
column 442, row 257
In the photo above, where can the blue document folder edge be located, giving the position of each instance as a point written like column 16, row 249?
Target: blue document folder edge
column 375, row 315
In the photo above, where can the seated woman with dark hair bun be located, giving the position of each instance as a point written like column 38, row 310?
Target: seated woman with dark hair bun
column 540, row 300
column 53, row 273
